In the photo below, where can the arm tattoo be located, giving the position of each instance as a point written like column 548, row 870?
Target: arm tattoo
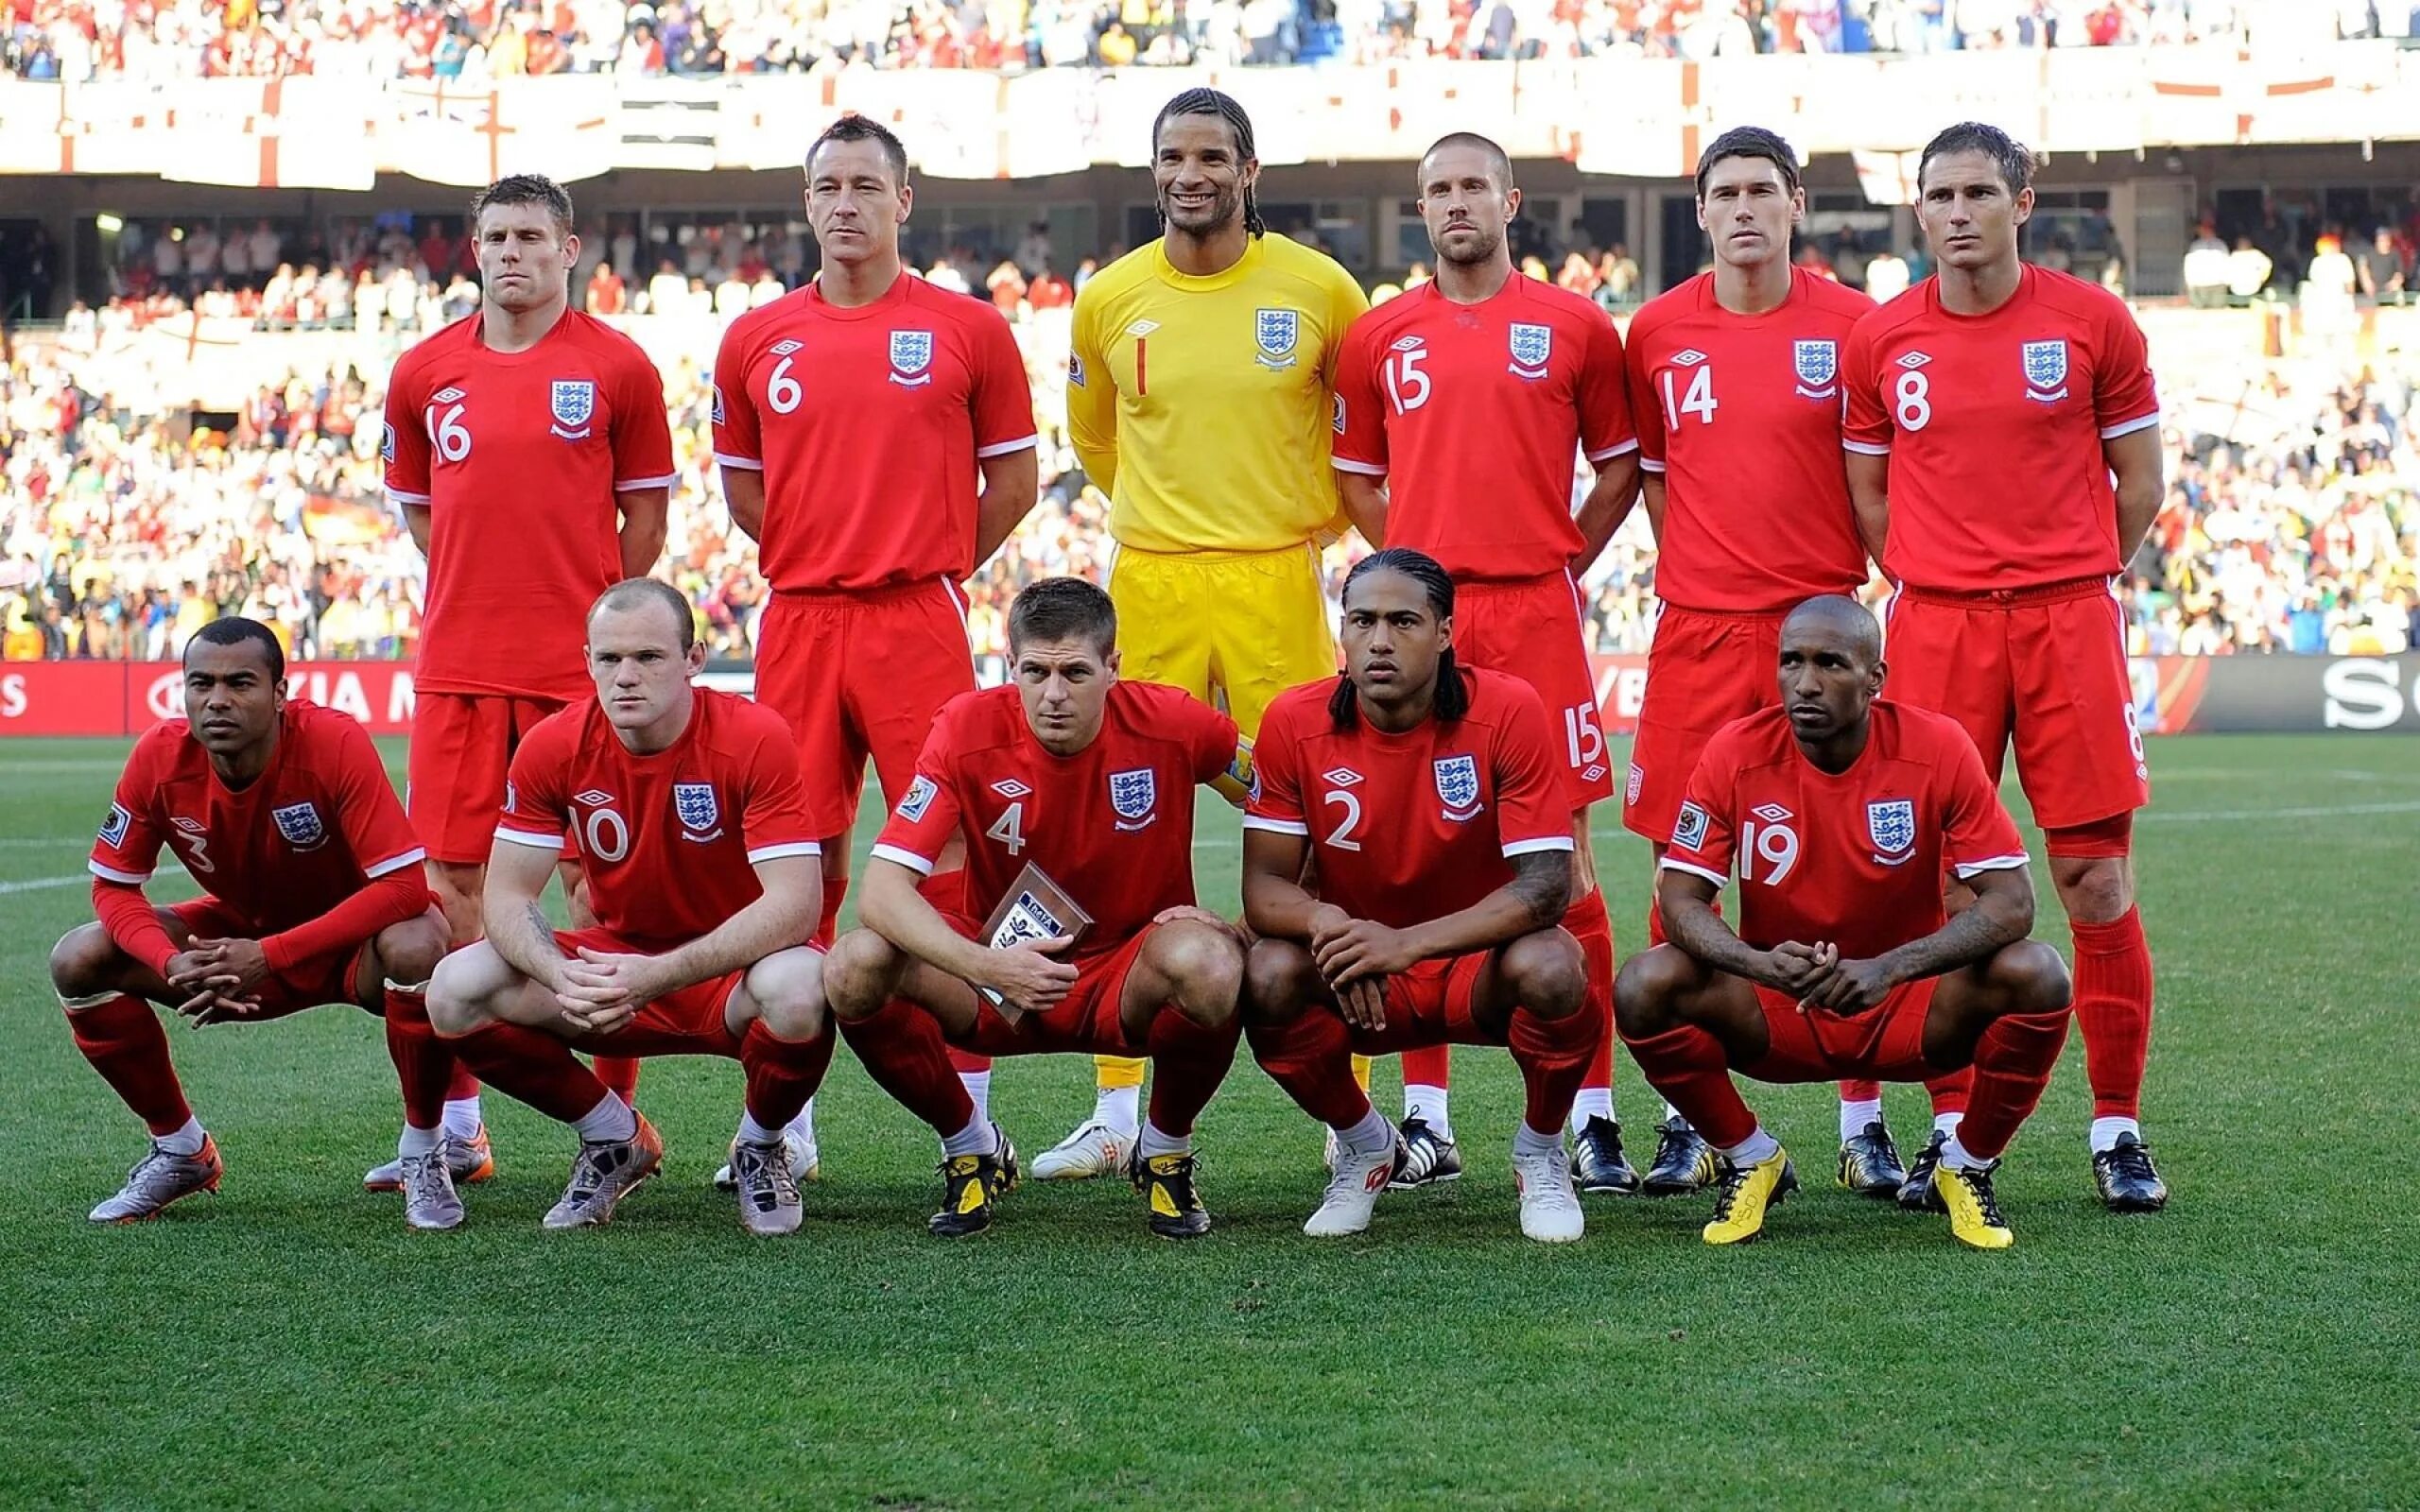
column 1996, row 919
column 1542, row 882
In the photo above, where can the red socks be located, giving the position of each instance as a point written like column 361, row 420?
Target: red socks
column 123, row 1040
column 903, row 1051
column 966, row 1063
column 1688, row 1065
column 1188, row 1064
column 781, row 1073
column 424, row 1066
column 827, row 928
column 1430, row 1066
column 1311, row 1059
column 1554, row 1056
column 2114, row 1009
column 1588, row 922
column 536, row 1068
column 460, row 1086
column 620, row 1075
column 2012, row 1063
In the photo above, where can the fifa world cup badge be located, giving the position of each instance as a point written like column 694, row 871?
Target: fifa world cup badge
column 1034, row 907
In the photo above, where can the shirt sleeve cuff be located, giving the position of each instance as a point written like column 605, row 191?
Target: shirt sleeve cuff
column 1524, row 848
column 535, row 842
column 1863, row 447
column 1649, row 464
column 1025, row 444
column 405, row 495
column 792, row 847
column 2127, row 427
column 1274, row 826
column 746, row 464
column 396, row 862
column 1971, row 868
column 1668, row 864
column 632, row 485
column 900, row 855
column 1610, row 451
column 130, row 879
column 1367, row 470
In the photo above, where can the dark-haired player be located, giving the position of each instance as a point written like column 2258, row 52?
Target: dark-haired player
column 852, row 419
column 702, row 868
column 527, row 446
column 312, row 894
column 1089, row 778
column 1430, row 802
column 1463, row 404
column 1736, row 379
column 2004, row 456
column 1200, row 398
column 1842, row 814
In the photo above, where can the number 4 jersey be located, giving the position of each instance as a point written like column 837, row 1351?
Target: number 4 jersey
column 1856, row 859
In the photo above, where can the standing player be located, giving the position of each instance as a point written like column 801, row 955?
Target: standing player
column 702, row 869
column 2004, row 456
column 1200, row 398
column 1091, row 779
column 1462, row 405
column 281, row 810
column 1842, row 816
column 528, row 449
column 1734, row 376
column 1433, row 803
column 850, row 420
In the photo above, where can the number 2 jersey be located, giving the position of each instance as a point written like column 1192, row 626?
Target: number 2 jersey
column 1855, row 859
column 669, row 840
column 1407, row 828
column 1112, row 825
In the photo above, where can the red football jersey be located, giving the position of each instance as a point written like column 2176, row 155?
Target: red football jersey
column 1409, row 828
column 1473, row 412
column 518, row 457
column 1993, row 425
column 669, row 842
column 1112, row 825
column 1740, row 414
column 305, row 835
column 869, row 425
column 1856, row 859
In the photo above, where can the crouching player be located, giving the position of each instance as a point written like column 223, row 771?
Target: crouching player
column 702, row 871
column 1845, row 813
column 1090, row 780
column 281, row 810
column 1434, row 806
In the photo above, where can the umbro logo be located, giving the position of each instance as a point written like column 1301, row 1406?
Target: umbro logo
column 1687, row 357
column 1770, row 813
column 1410, row 343
column 1913, row 360
column 446, row 395
column 191, row 826
column 1341, row 776
column 592, row 797
column 782, row 348
column 1010, row 787
column 1142, row 328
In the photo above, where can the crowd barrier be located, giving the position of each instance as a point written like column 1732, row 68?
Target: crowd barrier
column 2173, row 695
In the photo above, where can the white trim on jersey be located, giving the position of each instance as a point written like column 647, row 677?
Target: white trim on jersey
column 397, row 862
column 746, row 464
column 1863, row 447
column 1367, row 470
column 1668, row 864
column 405, row 495
column 1003, row 448
column 1630, row 445
column 1648, row 464
column 632, row 485
column 919, row 865
column 794, row 848
column 535, row 842
column 2127, row 427
column 112, row 874
column 1270, row 826
column 1526, row 848
column 1970, row 868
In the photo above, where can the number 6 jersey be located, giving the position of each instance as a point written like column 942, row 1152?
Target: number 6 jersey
column 1856, row 859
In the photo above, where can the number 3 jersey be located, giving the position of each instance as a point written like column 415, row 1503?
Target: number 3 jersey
column 1112, row 825
column 1856, row 859
column 1412, row 827
column 669, row 840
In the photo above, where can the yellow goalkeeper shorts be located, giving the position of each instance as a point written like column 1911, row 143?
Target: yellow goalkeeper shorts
column 1234, row 629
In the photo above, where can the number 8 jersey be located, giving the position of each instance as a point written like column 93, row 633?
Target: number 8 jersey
column 1858, row 858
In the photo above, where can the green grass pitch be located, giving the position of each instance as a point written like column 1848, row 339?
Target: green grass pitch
column 288, row 1344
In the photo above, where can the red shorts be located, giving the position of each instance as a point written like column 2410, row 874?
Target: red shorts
column 2042, row 667
column 1884, row 1043
column 304, row 985
column 1704, row 671
column 1530, row 629
column 686, row 1023
column 1085, row 1021
column 461, row 747
column 1430, row 1005
column 858, row 675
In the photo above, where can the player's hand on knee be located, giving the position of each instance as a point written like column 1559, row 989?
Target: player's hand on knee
column 1028, row 977
column 1364, row 948
column 1363, row 1002
column 1188, row 914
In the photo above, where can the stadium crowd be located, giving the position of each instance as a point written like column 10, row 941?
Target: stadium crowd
column 479, row 40
column 123, row 531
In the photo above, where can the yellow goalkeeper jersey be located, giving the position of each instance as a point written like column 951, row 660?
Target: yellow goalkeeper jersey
column 1203, row 406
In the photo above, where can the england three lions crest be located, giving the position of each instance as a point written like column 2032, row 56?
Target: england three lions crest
column 300, row 824
column 1532, row 346
column 1890, row 824
column 2045, row 371
column 1458, row 786
column 1275, row 334
column 693, row 805
column 911, row 357
column 1817, row 364
column 1134, row 796
column 572, row 403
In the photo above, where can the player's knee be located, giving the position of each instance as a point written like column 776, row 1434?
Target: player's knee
column 788, row 990
column 409, row 952
column 2032, row 977
column 2095, row 889
column 462, row 989
column 81, row 964
column 1547, row 974
column 858, row 974
column 1648, row 989
column 1279, row 979
column 1203, row 965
